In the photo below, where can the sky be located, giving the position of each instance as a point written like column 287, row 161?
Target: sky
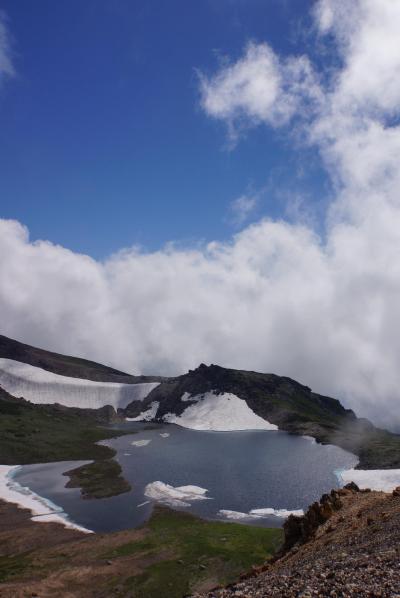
column 104, row 141
column 211, row 181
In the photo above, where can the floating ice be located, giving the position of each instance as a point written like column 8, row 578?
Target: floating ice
column 164, row 434
column 43, row 387
column 236, row 515
column 41, row 508
column 180, row 496
column 276, row 512
column 218, row 412
column 259, row 513
column 140, row 442
column 376, row 479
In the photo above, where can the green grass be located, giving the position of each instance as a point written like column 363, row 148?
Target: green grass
column 196, row 552
column 43, row 433
column 13, row 566
column 171, row 556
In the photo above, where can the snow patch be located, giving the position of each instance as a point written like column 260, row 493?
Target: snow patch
column 276, row 512
column 259, row 513
column 220, row 413
column 188, row 397
column 147, row 415
column 41, row 508
column 140, row 442
column 42, row 387
column 376, row 479
column 179, row 496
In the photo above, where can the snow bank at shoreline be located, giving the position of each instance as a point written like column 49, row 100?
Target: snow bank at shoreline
column 259, row 513
column 219, row 413
column 42, row 509
column 179, row 496
column 385, row 480
column 146, row 416
column 42, row 387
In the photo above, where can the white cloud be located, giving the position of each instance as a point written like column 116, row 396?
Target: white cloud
column 6, row 64
column 367, row 33
column 277, row 297
column 242, row 207
column 259, row 87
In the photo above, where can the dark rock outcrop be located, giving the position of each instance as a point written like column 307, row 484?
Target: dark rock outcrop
column 299, row 530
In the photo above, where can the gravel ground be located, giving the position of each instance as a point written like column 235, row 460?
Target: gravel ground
column 355, row 553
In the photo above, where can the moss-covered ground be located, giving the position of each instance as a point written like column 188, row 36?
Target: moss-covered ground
column 199, row 554
column 100, row 479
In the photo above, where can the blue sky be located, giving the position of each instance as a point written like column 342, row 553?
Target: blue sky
column 104, row 144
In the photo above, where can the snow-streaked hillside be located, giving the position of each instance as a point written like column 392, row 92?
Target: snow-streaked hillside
column 219, row 412
column 40, row 386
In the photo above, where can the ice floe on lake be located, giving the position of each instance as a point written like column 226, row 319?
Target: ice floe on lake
column 42, row 509
column 141, row 442
column 179, row 496
column 259, row 513
column 42, row 387
column 218, row 412
column 165, row 434
column 376, row 479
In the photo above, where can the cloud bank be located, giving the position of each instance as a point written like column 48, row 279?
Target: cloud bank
column 278, row 297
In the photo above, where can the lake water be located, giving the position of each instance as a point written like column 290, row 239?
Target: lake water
column 241, row 471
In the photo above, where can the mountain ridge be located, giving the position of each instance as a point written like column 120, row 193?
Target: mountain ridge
column 66, row 365
column 279, row 400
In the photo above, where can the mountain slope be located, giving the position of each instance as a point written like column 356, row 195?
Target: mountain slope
column 346, row 545
column 209, row 397
column 280, row 401
column 65, row 365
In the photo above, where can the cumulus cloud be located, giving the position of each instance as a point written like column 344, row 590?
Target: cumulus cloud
column 367, row 33
column 277, row 297
column 6, row 64
column 259, row 87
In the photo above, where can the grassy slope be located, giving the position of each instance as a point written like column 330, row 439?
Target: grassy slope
column 42, row 433
column 172, row 555
column 200, row 551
